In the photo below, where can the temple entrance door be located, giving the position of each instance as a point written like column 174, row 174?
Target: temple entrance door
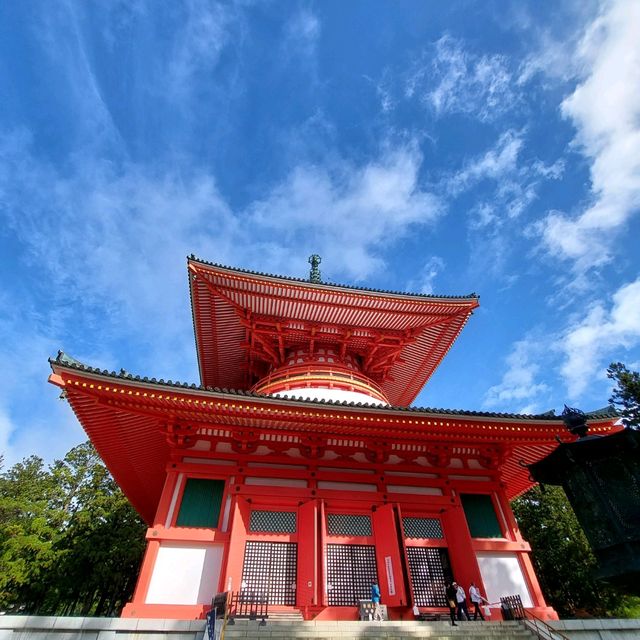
column 271, row 568
column 428, row 572
column 427, row 557
column 351, row 570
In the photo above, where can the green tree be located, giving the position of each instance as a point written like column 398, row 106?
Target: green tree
column 561, row 553
column 70, row 543
column 103, row 541
column 626, row 394
column 28, row 530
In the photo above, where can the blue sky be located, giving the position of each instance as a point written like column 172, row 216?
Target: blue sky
column 491, row 147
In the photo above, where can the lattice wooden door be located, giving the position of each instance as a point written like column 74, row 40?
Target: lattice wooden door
column 351, row 570
column 271, row 568
column 429, row 568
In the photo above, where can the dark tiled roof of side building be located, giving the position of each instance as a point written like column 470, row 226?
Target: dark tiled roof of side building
column 71, row 363
column 193, row 258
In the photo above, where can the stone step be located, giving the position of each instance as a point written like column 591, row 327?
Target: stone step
column 396, row 630
column 388, row 636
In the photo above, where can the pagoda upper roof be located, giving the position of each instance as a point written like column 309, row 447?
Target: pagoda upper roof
column 127, row 418
column 245, row 322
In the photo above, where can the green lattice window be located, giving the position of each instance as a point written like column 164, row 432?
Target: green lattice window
column 201, row 503
column 481, row 516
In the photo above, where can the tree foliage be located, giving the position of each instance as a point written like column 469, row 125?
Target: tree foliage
column 561, row 553
column 626, row 394
column 70, row 543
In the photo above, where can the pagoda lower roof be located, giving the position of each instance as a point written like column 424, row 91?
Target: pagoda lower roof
column 246, row 322
column 128, row 419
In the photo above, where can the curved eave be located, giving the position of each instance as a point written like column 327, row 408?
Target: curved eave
column 127, row 421
column 218, row 294
column 322, row 285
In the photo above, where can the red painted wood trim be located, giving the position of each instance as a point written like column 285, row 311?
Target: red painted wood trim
column 387, row 551
column 146, row 571
column 307, row 579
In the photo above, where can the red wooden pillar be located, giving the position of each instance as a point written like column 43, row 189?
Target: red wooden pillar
column 241, row 512
column 388, row 558
column 133, row 608
column 307, row 581
column 460, row 546
column 322, row 552
column 168, row 504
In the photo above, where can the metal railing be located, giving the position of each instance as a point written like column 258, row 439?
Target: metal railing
column 245, row 604
column 513, row 609
column 227, row 606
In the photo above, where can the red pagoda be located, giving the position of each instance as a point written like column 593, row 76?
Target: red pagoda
column 297, row 467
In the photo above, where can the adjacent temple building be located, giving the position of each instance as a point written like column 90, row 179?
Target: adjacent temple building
column 297, row 468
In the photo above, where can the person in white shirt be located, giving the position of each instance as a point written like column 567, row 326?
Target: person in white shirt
column 476, row 600
column 461, row 598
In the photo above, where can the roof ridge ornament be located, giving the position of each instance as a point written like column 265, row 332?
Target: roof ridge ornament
column 314, row 274
column 575, row 421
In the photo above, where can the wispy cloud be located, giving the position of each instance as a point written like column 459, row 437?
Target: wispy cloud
column 520, row 382
column 301, row 33
column 111, row 243
column 576, row 355
column 346, row 211
column 506, row 181
column 588, row 342
column 197, row 46
column 516, row 179
column 605, row 110
column 425, row 278
column 451, row 79
column 495, row 164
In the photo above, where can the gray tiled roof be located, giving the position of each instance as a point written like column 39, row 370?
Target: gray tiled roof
column 71, row 363
column 332, row 284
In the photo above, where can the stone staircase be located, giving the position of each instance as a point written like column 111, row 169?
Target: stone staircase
column 350, row 630
column 286, row 616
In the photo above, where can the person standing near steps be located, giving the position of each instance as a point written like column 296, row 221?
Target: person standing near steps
column 476, row 600
column 450, row 594
column 375, row 598
column 461, row 599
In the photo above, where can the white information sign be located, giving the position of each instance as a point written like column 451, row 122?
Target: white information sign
column 390, row 579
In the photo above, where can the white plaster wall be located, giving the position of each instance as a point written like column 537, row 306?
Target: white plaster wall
column 502, row 576
column 347, row 486
column 421, row 491
column 275, row 482
column 337, row 395
column 185, row 574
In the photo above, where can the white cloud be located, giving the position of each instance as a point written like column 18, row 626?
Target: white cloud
column 429, row 272
column 344, row 211
column 111, row 246
column 516, row 180
column 97, row 228
column 113, row 238
column 302, row 32
column 384, row 90
column 498, row 162
column 590, row 341
column 480, row 86
column 605, row 109
column 519, row 382
column 197, row 45
column 32, row 419
column 483, row 215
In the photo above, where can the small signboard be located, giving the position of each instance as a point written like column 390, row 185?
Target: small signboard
column 368, row 611
column 218, row 612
